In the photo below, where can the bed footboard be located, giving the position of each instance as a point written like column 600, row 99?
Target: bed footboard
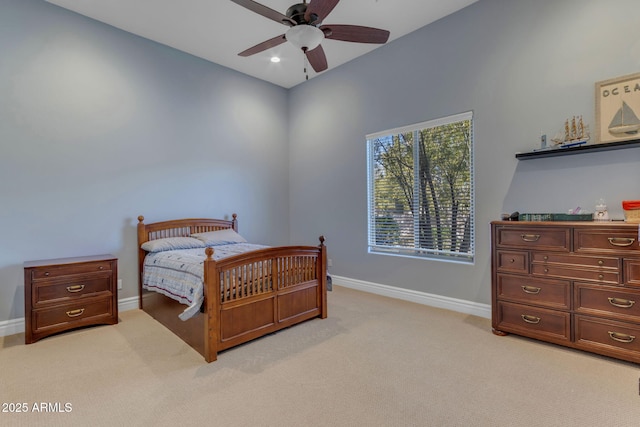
column 260, row 292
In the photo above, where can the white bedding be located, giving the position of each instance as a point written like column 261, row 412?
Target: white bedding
column 179, row 274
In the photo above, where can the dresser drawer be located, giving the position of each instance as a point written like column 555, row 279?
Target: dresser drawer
column 576, row 260
column 534, row 237
column 60, row 290
column 52, row 271
column 575, row 272
column 609, row 301
column 534, row 322
column 631, row 269
column 529, row 290
column 619, row 339
column 606, row 240
column 512, row 261
column 73, row 315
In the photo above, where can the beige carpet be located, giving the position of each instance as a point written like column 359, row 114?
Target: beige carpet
column 374, row 362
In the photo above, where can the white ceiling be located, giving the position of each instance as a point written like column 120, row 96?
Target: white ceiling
column 217, row 30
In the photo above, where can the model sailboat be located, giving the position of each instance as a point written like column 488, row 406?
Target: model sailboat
column 575, row 133
column 624, row 122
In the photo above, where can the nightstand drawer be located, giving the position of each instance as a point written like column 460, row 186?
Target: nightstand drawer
column 63, row 290
column 52, row 271
column 73, row 315
column 528, row 290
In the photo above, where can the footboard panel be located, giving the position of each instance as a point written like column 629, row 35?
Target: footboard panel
column 298, row 301
column 243, row 322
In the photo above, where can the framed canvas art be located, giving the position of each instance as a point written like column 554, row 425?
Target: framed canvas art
column 618, row 109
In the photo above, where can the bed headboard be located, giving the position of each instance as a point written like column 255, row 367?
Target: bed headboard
column 176, row 228
column 182, row 227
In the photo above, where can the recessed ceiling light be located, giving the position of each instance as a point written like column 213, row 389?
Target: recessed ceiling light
column 275, row 59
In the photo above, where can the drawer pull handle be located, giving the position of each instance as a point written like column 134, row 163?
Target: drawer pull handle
column 512, row 260
column 75, row 313
column 621, row 241
column 622, row 303
column 600, row 262
column 624, row 338
column 600, row 276
column 46, row 273
column 531, row 289
column 531, row 319
column 530, row 237
column 75, row 288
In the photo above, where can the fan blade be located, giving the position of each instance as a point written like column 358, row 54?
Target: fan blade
column 355, row 33
column 317, row 59
column 265, row 11
column 320, row 8
column 264, row 45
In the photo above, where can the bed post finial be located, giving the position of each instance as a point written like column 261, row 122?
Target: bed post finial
column 321, row 240
column 209, row 253
column 234, row 222
column 140, row 219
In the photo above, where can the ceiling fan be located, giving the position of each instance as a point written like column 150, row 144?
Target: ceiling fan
column 306, row 31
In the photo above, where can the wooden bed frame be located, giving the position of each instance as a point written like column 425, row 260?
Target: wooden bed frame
column 246, row 296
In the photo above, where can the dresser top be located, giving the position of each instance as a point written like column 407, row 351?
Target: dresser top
column 594, row 224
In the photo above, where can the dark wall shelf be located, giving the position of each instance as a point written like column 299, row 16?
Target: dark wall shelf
column 587, row 148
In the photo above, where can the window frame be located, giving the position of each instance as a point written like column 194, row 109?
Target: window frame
column 416, row 251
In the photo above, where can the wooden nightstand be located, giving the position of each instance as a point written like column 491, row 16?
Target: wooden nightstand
column 67, row 293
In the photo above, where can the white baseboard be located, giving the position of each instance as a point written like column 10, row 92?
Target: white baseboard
column 16, row 326
column 127, row 304
column 11, row 327
column 432, row 300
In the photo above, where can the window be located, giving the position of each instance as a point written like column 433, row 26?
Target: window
column 421, row 193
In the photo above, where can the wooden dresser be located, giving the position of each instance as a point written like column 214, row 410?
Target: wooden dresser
column 67, row 293
column 575, row 284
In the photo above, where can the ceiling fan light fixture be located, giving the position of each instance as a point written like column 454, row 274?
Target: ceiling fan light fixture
column 306, row 33
column 305, row 37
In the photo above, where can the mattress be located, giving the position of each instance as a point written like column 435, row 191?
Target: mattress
column 179, row 273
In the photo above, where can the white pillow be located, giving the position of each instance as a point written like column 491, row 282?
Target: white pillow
column 171, row 243
column 219, row 237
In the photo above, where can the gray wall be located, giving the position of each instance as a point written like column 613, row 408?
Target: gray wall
column 523, row 67
column 98, row 126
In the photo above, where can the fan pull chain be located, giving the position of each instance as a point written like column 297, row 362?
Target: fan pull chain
column 306, row 75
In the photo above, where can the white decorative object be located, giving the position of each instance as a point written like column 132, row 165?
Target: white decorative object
column 601, row 213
